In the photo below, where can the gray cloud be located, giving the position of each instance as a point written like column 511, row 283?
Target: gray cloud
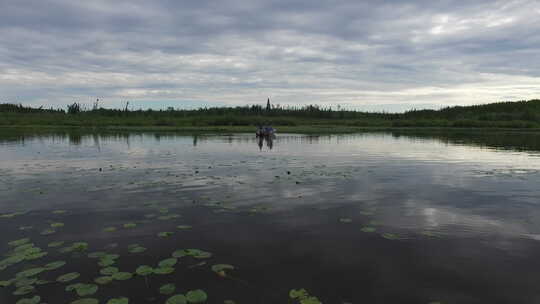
column 368, row 54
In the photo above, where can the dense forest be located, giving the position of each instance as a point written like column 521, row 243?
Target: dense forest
column 520, row 114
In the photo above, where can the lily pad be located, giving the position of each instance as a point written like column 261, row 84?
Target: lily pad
column 103, row 280
column 48, row 231
column 55, row 265
column 368, row 229
column 136, row 249
column 24, row 290
column 68, row 277
column 33, row 300
column 184, row 227
column 177, row 299
column 105, row 262
column 59, row 211
column 86, row 289
column 144, row 270
column 57, row 225
column 345, row 220
column 165, row 234
column 109, row 271
column 30, row 272
column 130, row 225
column 109, row 229
column 122, row 276
column 196, row 253
column 390, row 236
column 97, row 254
column 5, row 283
column 222, row 267
column 86, row 301
column 25, row 227
column 167, row 289
column 296, row 294
column 170, row 262
column 196, row 296
column 25, row 282
column 19, row 242
column 164, row 270
column 55, row 244
column 122, row 300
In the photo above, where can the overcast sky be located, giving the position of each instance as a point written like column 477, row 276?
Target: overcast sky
column 367, row 55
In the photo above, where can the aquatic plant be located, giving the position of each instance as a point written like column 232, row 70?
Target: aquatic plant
column 196, row 296
column 167, row 289
column 177, row 299
column 68, row 277
column 122, row 300
column 33, row 300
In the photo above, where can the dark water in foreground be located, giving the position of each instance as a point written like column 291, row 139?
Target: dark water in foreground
column 368, row 218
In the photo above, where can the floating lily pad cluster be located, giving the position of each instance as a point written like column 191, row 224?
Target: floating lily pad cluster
column 23, row 250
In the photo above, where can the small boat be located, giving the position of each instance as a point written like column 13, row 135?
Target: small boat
column 266, row 131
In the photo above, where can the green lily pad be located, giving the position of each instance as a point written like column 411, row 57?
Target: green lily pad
column 86, row 301
column 144, row 270
column 57, row 225
column 137, row 249
column 170, row 262
column 345, row 220
column 33, row 300
column 86, row 289
column 25, row 282
column 19, row 242
column 165, row 234
column 130, row 225
column 296, row 294
column 68, row 277
column 184, row 227
column 48, row 231
column 103, row 280
column 122, row 276
column 35, row 255
column 55, row 244
column 196, row 296
column 25, row 227
column 30, row 272
column 105, row 262
column 177, row 299
column 229, row 302
column 163, row 270
column 24, row 290
column 72, row 287
column 59, row 211
column 310, row 300
column 222, row 267
column 55, row 265
column 196, row 253
column 42, row 282
column 368, row 229
column 167, row 289
column 109, row 271
column 390, row 236
column 97, row 254
column 24, row 249
column 10, row 215
column 5, row 283
column 122, row 300
column 109, row 229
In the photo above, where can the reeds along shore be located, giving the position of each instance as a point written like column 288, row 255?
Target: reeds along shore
column 521, row 114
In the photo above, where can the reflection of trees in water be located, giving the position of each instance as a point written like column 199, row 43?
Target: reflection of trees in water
column 508, row 140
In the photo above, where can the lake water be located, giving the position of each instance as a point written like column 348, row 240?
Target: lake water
column 364, row 218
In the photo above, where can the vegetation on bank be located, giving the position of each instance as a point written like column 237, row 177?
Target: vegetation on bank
column 521, row 114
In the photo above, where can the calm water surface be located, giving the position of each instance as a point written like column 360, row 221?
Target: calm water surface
column 367, row 218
